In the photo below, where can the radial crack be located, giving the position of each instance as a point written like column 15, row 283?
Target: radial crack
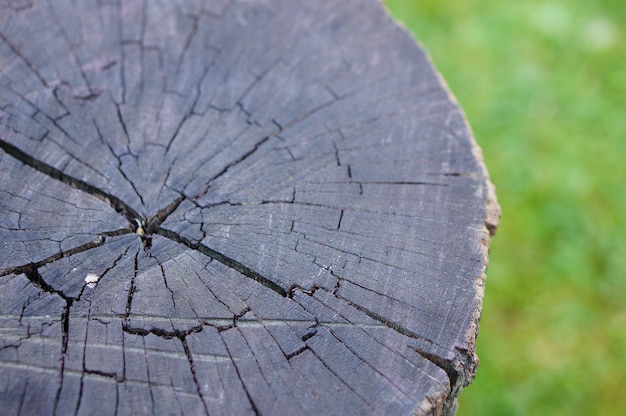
column 29, row 64
column 146, row 228
column 225, row 260
column 445, row 365
column 35, row 278
column 241, row 159
column 100, row 239
column 388, row 323
column 120, row 206
column 192, row 367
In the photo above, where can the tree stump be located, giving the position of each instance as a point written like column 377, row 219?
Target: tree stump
column 232, row 207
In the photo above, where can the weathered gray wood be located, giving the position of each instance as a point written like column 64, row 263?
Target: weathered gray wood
column 232, row 207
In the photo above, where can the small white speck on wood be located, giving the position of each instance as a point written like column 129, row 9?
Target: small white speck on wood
column 92, row 280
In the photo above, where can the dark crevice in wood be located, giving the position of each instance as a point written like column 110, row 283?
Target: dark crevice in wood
column 192, row 368
column 123, row 124
column 309, row 292
column 440, row 362
column 340, row 218
column 100, row 240
column 131, row 183
column 383, row 295
column 108, row 65
column 117, row 398
column 89, row 97
column 185, row 117
column 162, row 333
column 390, row 324
column 147, row 363
column 29, row 64
column 337, row 285
column 65, row 322
column 157, row 219
column 131, row 290
column 84, row 366
column 32, row 273
column 338, row 160
column 255, row 409
column 137, row 223
column 167, row 286
column 105, row 374
column 460, row 372
column 445, row 365
column 235, row 319
column 277, row 124
column 146, row 228
column 310, row 333
column 35, row 278
column 120, row 206
column 241, row 159
column 393, row 325
column 56, row 93
column 225, row 260
column 246, row 112
column 104, row 273
column 253, row 84
column 125, row 363
column 297, row 352
column 250, row 203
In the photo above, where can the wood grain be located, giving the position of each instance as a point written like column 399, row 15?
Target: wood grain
column 233, row 207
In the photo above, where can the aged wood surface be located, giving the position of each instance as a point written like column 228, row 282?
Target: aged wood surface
column 233, row 207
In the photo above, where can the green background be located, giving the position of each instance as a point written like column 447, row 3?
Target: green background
column 543, row 84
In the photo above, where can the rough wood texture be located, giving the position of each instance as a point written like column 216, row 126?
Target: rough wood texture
column 233, row 207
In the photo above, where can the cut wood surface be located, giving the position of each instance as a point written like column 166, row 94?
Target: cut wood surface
column 233, row 207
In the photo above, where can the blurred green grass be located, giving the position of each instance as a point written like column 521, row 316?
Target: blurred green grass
column 543, row 85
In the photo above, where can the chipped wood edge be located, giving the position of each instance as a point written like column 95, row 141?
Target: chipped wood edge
column 467, row 361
